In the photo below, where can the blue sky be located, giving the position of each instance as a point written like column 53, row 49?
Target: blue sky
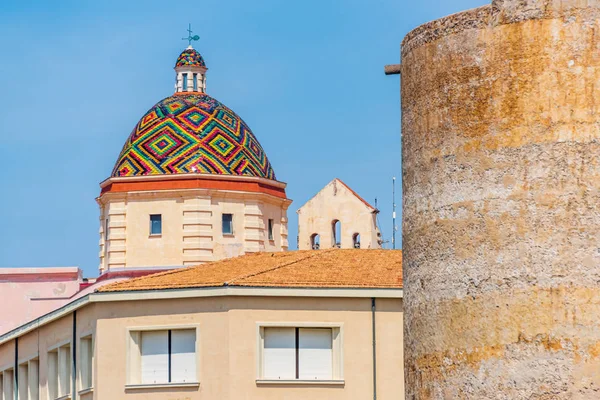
column 307, row 76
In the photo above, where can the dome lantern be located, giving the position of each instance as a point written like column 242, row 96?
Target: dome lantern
column 190, row 72
column 190, row 68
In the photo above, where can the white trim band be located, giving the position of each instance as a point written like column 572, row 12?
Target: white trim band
column 300, row 382
column 162, row 385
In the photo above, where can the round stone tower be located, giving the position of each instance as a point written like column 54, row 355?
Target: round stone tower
column 501, row 168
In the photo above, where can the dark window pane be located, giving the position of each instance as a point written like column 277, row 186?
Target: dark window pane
column 156, row 224
column 228, row 224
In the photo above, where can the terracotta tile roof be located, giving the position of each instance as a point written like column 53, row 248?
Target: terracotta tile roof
column 331, row 268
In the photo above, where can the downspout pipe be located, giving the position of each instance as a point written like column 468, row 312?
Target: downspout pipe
column 16, row 370
column 373, row 306
column 74, row 358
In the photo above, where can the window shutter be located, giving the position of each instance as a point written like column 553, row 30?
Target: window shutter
column 279, row 354
column 183, row 356
column 155, row 357
column 315, row 354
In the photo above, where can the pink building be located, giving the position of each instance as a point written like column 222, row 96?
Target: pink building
column 28, row 293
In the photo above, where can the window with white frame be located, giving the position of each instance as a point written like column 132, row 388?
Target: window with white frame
column 7, row 384
column 33, row 379
column 86, row 361
column 300, row 353
column 29, row 380
column 59, row 371
column 23, row 381
column 163, row 356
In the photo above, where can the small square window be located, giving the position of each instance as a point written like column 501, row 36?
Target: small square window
column 270, row 229
column 155, row 224
column 227, row 224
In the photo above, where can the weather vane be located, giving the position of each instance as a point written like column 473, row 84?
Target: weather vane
column 190, row 38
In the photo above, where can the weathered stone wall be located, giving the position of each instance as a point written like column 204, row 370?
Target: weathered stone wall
column 501, row 168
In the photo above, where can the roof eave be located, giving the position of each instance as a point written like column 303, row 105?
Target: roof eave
column 212, row 291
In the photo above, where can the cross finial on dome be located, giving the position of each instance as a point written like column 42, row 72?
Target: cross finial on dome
column 191, row 38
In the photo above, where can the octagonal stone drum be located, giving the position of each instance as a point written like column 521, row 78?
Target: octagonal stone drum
column 501, row 169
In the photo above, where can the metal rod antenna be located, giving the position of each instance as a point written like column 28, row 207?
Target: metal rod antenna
column 394, row 213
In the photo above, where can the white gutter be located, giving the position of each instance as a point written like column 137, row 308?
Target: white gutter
column 247, row 291
column 221, row 291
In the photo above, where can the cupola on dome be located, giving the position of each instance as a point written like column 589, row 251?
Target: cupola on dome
column 191, row 132
column 190, row 57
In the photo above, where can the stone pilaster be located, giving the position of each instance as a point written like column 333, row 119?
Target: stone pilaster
column 115, row 243
column 254, row 227
column 197, row 239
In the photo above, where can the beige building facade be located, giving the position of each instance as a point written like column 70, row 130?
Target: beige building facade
column 240, row 340
column 191, row 214
column 337, row 217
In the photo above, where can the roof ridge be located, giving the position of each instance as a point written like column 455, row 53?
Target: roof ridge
column 169, row 272
column 246, row 276
column 329, row 282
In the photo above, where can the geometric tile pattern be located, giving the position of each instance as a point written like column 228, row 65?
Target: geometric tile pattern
column 190, row 132
column 190, row 57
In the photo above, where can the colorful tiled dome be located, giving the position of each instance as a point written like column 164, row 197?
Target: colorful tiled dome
column 192, row 132
column 190, row 57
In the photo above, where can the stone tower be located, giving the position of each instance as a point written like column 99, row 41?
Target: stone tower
column 501, row 168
